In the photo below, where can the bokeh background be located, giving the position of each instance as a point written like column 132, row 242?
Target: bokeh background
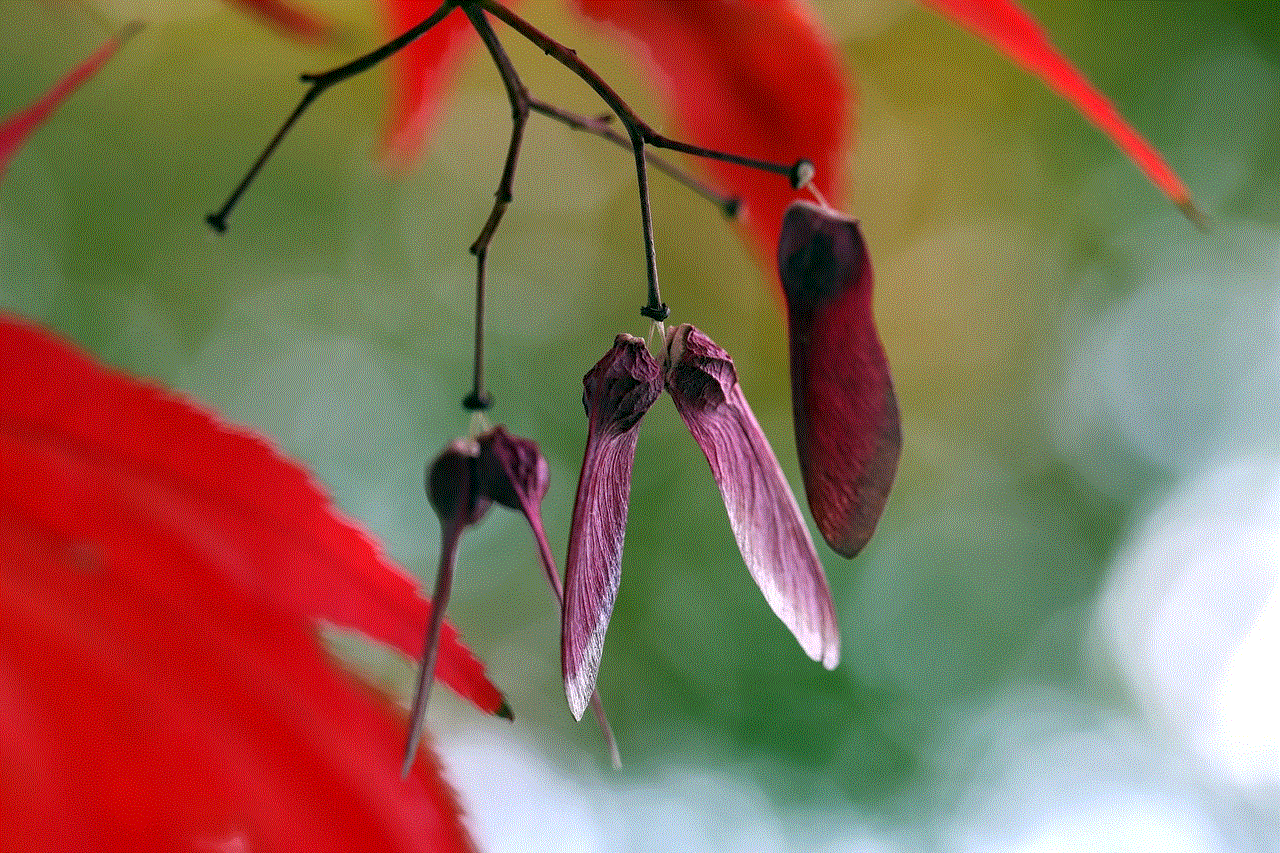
column 1066, row 634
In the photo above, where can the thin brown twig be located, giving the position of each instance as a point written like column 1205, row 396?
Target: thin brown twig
column 518, row 96
column 319, row 83
column 640, row 135
column 729, row 205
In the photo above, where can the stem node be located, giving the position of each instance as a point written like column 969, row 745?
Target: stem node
column 657, row 313
column 478, row 401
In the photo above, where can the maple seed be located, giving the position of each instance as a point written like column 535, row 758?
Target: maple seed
column 848, row 435
column 763, row 513
column 616, row 394
column 451, row 484
column 513, row 472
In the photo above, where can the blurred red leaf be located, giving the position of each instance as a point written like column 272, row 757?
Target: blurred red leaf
column 421, row 73
column 753, row 77
column 293, row 19
column 17, row 128
column 1011, row 30
column 162, row 685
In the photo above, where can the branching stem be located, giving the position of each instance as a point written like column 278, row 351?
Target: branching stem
column 518, row 96
column 640, row 137
column 640, row 134
column 729, row 205
column 319, row 83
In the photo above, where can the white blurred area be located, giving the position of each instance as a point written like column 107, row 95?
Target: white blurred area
column 1182, row 380
column 1044, row 771
column 1184, row 373
column 1179, row 385
column 1192, row 617
column 1036, row 772
column 519, row 800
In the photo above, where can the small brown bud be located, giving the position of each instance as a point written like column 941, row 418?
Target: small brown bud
column 848, row 435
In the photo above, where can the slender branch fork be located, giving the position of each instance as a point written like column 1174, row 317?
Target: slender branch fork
column 640, row 134
column 599, row 126
column 319, row 83
column 639, row 137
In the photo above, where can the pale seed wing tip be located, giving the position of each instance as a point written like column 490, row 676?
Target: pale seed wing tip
column 578, row 694
column 831, row 654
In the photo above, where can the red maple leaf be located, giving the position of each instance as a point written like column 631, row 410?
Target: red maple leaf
column 1015, row 33
column 162, row 684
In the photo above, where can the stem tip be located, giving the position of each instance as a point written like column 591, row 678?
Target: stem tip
column 801, row 174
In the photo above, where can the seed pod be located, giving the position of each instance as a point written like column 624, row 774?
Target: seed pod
column 513, row 472
column 848, row 436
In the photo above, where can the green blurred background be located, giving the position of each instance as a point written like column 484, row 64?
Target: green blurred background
column 1065, row 633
